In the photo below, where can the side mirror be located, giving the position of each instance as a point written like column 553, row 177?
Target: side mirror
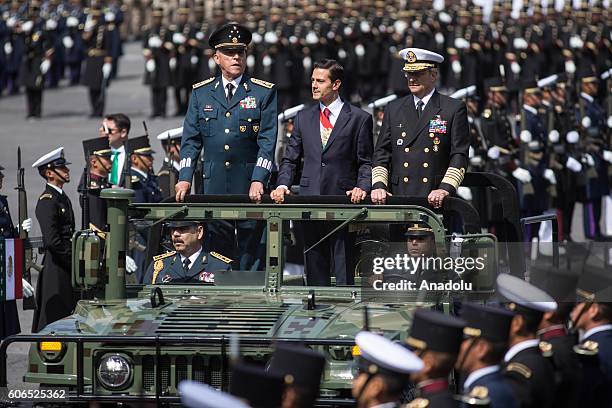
column 87, row 261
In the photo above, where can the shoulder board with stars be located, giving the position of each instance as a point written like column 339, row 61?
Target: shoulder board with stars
column 260, row 82
column 204, row 82
column 162, row 256
column 220, row 257
column 46, row 195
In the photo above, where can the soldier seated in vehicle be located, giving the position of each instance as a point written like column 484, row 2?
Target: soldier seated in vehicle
column 188, row 263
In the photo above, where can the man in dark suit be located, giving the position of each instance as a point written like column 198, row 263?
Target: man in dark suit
column 484, row 344
column 56, row 219
column 335, row 141
column 423, row 135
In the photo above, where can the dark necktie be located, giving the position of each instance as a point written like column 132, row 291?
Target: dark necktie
column 230, row 92
column 420, row 108
column 186, row 263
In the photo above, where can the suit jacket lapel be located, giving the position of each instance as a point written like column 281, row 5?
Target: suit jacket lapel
column 218, row 93
column 312, row 129
column 432, row 108
column 198, row 266
column 343, row 119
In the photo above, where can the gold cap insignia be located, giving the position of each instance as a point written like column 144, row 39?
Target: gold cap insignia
column 411, row 57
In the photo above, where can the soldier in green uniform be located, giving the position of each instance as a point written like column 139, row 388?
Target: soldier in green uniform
column 232, row 119
column 188, row 263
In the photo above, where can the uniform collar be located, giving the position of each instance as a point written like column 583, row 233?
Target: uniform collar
column 587, row 96
column 517, row 348
column 431, row 386
column 477, row 374
column 598, row 329
column 56, row 188
column 142, row 173
column 193, row 258
column 530, row 109
column 557, row 330
column 425, row 99
column 235, row 82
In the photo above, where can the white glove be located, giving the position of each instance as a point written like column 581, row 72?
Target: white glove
column 50, row 25
column 10, row 23
column 553, row 136
column 576, row 42
column 109, row 16
column 550, row 176
column 476, row 161
column 311, row 38
column 456, row 66
column 307, row 63
column 130, row 265
column 172, row 63
column 586, row 122
column 28, row 290
column 250, row 61
column 256, row 37
column 471, row 152
column 588, row 159
column 400, row 26
column 106, row 69
column 67, row 41
column 439, row 38
column 194, row 60
column 520, row 43
column 89, row 24
column 154, row 42
column 178, row 38
column 26, row 225
column 570, row 66
column 342, row 55
column 359, row 50
column 607, row 156
column 573, row 165
column 200, row 36
column 266, row 61
column 270, row 37
column 515, row 67
column 8, row 48
column 493, row 152
column 44, row 66
column 150, row 65
column 572, row 137
column 525, row 136
column 461, row 43
column 445, row 17
column 522, row 175
column 416, row 24
column 364, row 26
column 211, row 65
column 609, row 120
column 465, row 193
column 27, row 26
column 72, row 21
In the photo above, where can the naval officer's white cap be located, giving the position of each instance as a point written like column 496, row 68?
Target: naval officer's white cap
column 522, row 293
column 381, row 354
column 197, row 395
column 52, row 159
column 418, row 59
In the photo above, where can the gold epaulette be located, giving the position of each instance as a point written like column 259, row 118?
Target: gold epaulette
column 204, row 82
column 418, row 403
column 46, row 195
column 588, row 348
column 522, row 369
column 220, row 257
column 135, row 179
column 162, row 256
column 480, row 392
column 486, row 113
column 162, row 173
column 545, row 349
column 260, row 82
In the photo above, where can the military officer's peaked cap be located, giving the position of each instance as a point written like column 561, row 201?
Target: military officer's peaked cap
column 230, row 36
column 158, row 12
column 379, row 355
column 175, row 133
column 182, row 223
column 418, row 59
column 463, row 93
column 523, row 297
column 51, row 160
column 298, row 365
column 419, row 229
column 490, row 323
column 495, row 84
column 140, row 145
column 256, row 385
column 529, row 86
column 548, row 82
column 98, row 146
column 197, row 395
column 587, row 74
column 436, row 331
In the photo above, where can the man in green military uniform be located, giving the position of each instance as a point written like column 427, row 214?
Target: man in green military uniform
column 188, row 263
column 233, row 119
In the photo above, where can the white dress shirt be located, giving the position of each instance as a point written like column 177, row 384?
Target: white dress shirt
column 425, row 99
column 335, row 107
column 192, row 258
column 235, row 82
column 56, row 188
column 594, row 330
column 142, row 173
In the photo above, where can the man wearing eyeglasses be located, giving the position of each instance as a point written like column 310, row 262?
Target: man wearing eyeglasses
column 424, row 135
column 116, row 128
column 231, row 119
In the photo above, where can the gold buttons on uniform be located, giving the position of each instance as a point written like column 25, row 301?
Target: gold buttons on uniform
column 427, row 150
column 407, row 149
column 249, row 119
column 425, row 180
column 405, row 179
column 226, row 130
column 405, row 164
column 403, row 134
column 227, row 164
column 426, row 165
column 228, row 114
column 226, row 147
column 431, row 135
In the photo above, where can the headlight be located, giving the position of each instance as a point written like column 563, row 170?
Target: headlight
column 114, row 371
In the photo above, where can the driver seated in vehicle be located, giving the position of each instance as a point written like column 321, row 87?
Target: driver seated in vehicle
column 188, row 263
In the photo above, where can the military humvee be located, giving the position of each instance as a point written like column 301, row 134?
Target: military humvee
column 136, row 342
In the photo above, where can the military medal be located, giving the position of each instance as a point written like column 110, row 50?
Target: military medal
column 248, row 103
column 207, row 277
column 242, row 128
column 400, row 142
column 436, row 140
column 166, row 278
column 435, row 148
column 437, row 125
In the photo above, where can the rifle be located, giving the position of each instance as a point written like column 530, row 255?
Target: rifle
column 28, row 303
column 84, row 191
column 524, row 151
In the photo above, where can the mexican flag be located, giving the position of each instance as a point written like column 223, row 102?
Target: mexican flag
column 12, row 266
